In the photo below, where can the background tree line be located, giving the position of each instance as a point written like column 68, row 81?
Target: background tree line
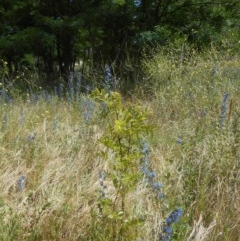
column 52, row 36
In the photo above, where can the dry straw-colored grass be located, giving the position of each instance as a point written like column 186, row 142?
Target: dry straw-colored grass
column 61, row 167
column 58, row 151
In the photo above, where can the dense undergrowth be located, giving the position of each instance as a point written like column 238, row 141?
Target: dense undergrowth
column 100, row 166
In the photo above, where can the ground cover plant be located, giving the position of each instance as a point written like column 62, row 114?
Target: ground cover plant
column 101, row 166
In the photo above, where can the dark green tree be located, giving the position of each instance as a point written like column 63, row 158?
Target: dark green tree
column 113, row 32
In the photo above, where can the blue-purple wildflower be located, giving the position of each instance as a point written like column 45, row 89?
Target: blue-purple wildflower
column 148, row 173
column 21, row 182
column 224, row 109
column 167, row 230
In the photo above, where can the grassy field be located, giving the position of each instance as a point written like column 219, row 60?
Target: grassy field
column 162, row 164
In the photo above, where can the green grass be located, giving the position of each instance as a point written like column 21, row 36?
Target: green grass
column 58, row 151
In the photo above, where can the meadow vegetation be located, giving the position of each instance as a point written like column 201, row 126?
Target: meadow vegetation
column 160, row 164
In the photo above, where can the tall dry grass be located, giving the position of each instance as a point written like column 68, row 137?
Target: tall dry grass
column 197, row 111
column 49, row 158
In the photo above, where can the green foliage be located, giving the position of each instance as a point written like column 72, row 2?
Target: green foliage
column 3, row 70
column 61, row 33
column 126, row 126
column 119, row 2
